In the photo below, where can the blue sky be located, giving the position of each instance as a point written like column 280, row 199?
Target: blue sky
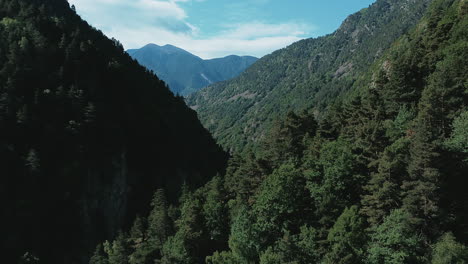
column 217, row 28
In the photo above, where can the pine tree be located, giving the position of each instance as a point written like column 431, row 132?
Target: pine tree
column 118, row 250
column 285, row 138
column 137, row 242
column 158, row 229
column 448, row 251
column 421, row 189
column 215, row 211
column 395, row 241
column 244, row 239
column 383, row 189
column 224, row 257
column 335, row 182
column 346, row 238
column 281, row 204
column 99, row 256
column 458, row 140
column 187, row 245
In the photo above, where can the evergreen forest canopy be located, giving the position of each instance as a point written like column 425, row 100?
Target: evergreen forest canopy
column 86, row 135
column 308, row 74
column 379, row 178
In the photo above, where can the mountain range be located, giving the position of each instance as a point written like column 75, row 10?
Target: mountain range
column 308, row 74
column 186, row 73
column 348, row 148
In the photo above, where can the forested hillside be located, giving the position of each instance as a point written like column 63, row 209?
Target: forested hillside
column 381, row 178
column 308, row 74
column 86, row 135
column 186, row 73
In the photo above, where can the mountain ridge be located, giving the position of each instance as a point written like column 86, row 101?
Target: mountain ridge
column 86, row 135
column 307, row 74
column 185, row 72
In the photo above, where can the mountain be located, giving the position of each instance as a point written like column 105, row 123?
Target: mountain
column 380, row 178
column 87, row 135
column 186, row 73
column 309, row 73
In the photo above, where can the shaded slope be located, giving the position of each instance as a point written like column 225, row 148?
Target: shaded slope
column 87, row 135
column 380, row 179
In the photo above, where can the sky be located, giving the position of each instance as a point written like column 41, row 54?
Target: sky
column 216, row 28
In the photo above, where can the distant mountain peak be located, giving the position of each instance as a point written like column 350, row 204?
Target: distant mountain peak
column 185, row 72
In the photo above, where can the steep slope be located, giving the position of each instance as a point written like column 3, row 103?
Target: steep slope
column 86, row 135
column 309, row 73
column 186, row 73
column 381, row 179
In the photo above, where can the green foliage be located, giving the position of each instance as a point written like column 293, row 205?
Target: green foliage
column 375, row 181
column 186, row 246
column 280, row 203
column 215, row 211
column 244, row 240
column 137, row 242
column 269, row 256
column 175, row 251
column 448, row 251
column 458, row 140
column 86, row 134
column 244, row 176
column 347, row 238
column 308, row 244
column 225, row 257
column 284, row 142
column 383, row 189
column 158, row 222
column 308, row 74
column 395, row 241
column 387, row 163
column 99, row 256
column 334, row 182
column 117, row 250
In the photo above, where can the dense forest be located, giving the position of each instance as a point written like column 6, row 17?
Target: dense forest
column 380, row 179
column 102, row 164
column 308, row 74
column 87, row 135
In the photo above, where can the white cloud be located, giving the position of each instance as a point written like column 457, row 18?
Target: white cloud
column 139, row 22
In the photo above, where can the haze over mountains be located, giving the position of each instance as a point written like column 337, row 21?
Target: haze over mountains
column 349, row 148
column 186, row 73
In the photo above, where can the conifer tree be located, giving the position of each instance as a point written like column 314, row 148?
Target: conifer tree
column 383, row 189
column 395, row 241
column 157, row 232
column 118, row 250
column 215, row 211
column 346, row 238
column 244, row 239
column 448, row 251
column 99, row 256
column 186, row 246
column 137, row 242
